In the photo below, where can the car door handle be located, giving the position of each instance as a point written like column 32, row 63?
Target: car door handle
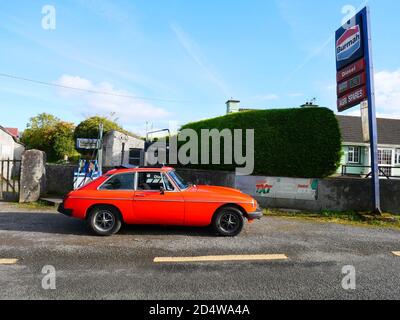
column 140, row 195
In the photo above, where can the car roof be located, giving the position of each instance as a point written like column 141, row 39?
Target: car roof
column 140, row 169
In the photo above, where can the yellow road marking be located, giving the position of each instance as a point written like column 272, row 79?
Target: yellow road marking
column 8, row 261
column 256, row 257
column 396, row 253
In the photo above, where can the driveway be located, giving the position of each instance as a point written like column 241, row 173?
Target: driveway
column 123, row 267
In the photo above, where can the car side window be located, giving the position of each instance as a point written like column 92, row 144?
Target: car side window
column 152, row 181
column 167, row 183
column 123, row 181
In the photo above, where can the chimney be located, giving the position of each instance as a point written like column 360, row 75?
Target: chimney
column 232, row 106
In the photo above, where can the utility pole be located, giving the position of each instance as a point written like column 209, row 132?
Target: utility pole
column 100, row 150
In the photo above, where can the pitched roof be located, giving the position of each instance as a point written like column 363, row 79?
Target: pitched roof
column 13, row 131
column 351, row 128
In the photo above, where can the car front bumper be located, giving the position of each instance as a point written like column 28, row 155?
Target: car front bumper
column 258, row 214
column 64, row 211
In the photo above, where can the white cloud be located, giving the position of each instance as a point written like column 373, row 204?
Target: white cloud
column 128, row 110
column 387, row 92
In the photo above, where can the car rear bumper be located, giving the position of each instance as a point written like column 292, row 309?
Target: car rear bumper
column 64, row 211
column 258, row 214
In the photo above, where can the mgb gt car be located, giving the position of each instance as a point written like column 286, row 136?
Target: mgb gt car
column 158, row 196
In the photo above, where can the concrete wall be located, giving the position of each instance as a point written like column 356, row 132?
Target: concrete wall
column 60, row 178
column 205, row 177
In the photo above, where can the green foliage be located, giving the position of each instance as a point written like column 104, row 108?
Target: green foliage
column 288, row 142
column 47, row 133
column 89, row 128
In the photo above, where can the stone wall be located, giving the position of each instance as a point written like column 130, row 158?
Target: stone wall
column 216, row 178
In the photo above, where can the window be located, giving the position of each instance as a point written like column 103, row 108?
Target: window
column 385, row 157
column 153, row 181
column 397, row 157
column 178, row 180
column 135, row 156
column 119, row 182
column 353, row 155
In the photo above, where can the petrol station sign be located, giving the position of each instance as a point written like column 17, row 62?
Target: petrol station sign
column 355, row 83
column 351, row 64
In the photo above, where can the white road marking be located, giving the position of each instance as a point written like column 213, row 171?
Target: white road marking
column 8, row 261
column 254, row 257
column 396, row 253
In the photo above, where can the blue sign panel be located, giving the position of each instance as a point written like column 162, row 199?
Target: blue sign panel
column 350, row 42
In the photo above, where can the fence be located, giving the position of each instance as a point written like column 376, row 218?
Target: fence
column 10, row 173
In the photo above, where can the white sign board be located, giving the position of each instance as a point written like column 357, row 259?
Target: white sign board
column 88, row 144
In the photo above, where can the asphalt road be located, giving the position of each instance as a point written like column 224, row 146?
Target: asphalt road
column 122, row 267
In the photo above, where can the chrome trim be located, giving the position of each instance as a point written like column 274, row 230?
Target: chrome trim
column 142, row 199
column 92, row 198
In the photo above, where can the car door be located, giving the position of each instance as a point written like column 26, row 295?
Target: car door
column 153, row 206
column 118, row 190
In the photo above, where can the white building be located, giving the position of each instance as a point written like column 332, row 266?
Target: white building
column 10, row 148
column 120, row 149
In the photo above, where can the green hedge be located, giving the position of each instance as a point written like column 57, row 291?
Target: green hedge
column 288, row 142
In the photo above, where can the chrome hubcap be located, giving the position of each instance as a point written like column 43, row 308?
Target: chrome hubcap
column 104, row 221
column 229, row 222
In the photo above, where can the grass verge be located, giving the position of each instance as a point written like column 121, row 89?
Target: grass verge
column 350, row 218
column 39, row 205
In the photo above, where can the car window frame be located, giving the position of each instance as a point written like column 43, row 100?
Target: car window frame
column 100, row 187
column 164, row 174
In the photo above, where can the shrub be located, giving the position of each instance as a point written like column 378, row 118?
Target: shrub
column 288, row 142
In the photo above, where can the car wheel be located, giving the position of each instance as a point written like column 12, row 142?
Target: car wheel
column 228, row 222
column 104, row 220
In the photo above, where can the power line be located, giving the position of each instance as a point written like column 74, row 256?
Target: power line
column 5, row 75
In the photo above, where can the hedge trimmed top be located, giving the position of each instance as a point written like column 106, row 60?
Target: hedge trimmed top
column 304, row 143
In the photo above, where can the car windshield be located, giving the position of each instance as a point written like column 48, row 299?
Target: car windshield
column 182, row 184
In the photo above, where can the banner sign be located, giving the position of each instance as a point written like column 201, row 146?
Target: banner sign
column 287, row 188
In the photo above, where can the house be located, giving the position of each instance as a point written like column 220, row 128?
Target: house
column 10, row 147
column 356, row 158
column 122, row 149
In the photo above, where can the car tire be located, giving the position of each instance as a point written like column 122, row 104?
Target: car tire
column 228, row 222
column 104, row 220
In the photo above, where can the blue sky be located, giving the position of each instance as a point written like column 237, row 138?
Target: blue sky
column 182, row 59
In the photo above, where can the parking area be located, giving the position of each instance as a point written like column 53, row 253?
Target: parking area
column 275, row 258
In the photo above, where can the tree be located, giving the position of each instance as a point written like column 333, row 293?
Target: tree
column 89, row 128
column 64, row 143
column 47, row 133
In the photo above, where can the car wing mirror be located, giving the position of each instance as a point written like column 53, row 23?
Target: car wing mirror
column 162, row 190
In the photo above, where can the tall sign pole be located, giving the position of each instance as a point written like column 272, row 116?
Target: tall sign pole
column 373, row 127
column 355, row 82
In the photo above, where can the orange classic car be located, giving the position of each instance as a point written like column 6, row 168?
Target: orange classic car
column 157, row 196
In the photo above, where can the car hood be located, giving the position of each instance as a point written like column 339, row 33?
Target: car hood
column 219, row 191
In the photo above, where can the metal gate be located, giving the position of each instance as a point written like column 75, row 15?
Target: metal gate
column 10, row 173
